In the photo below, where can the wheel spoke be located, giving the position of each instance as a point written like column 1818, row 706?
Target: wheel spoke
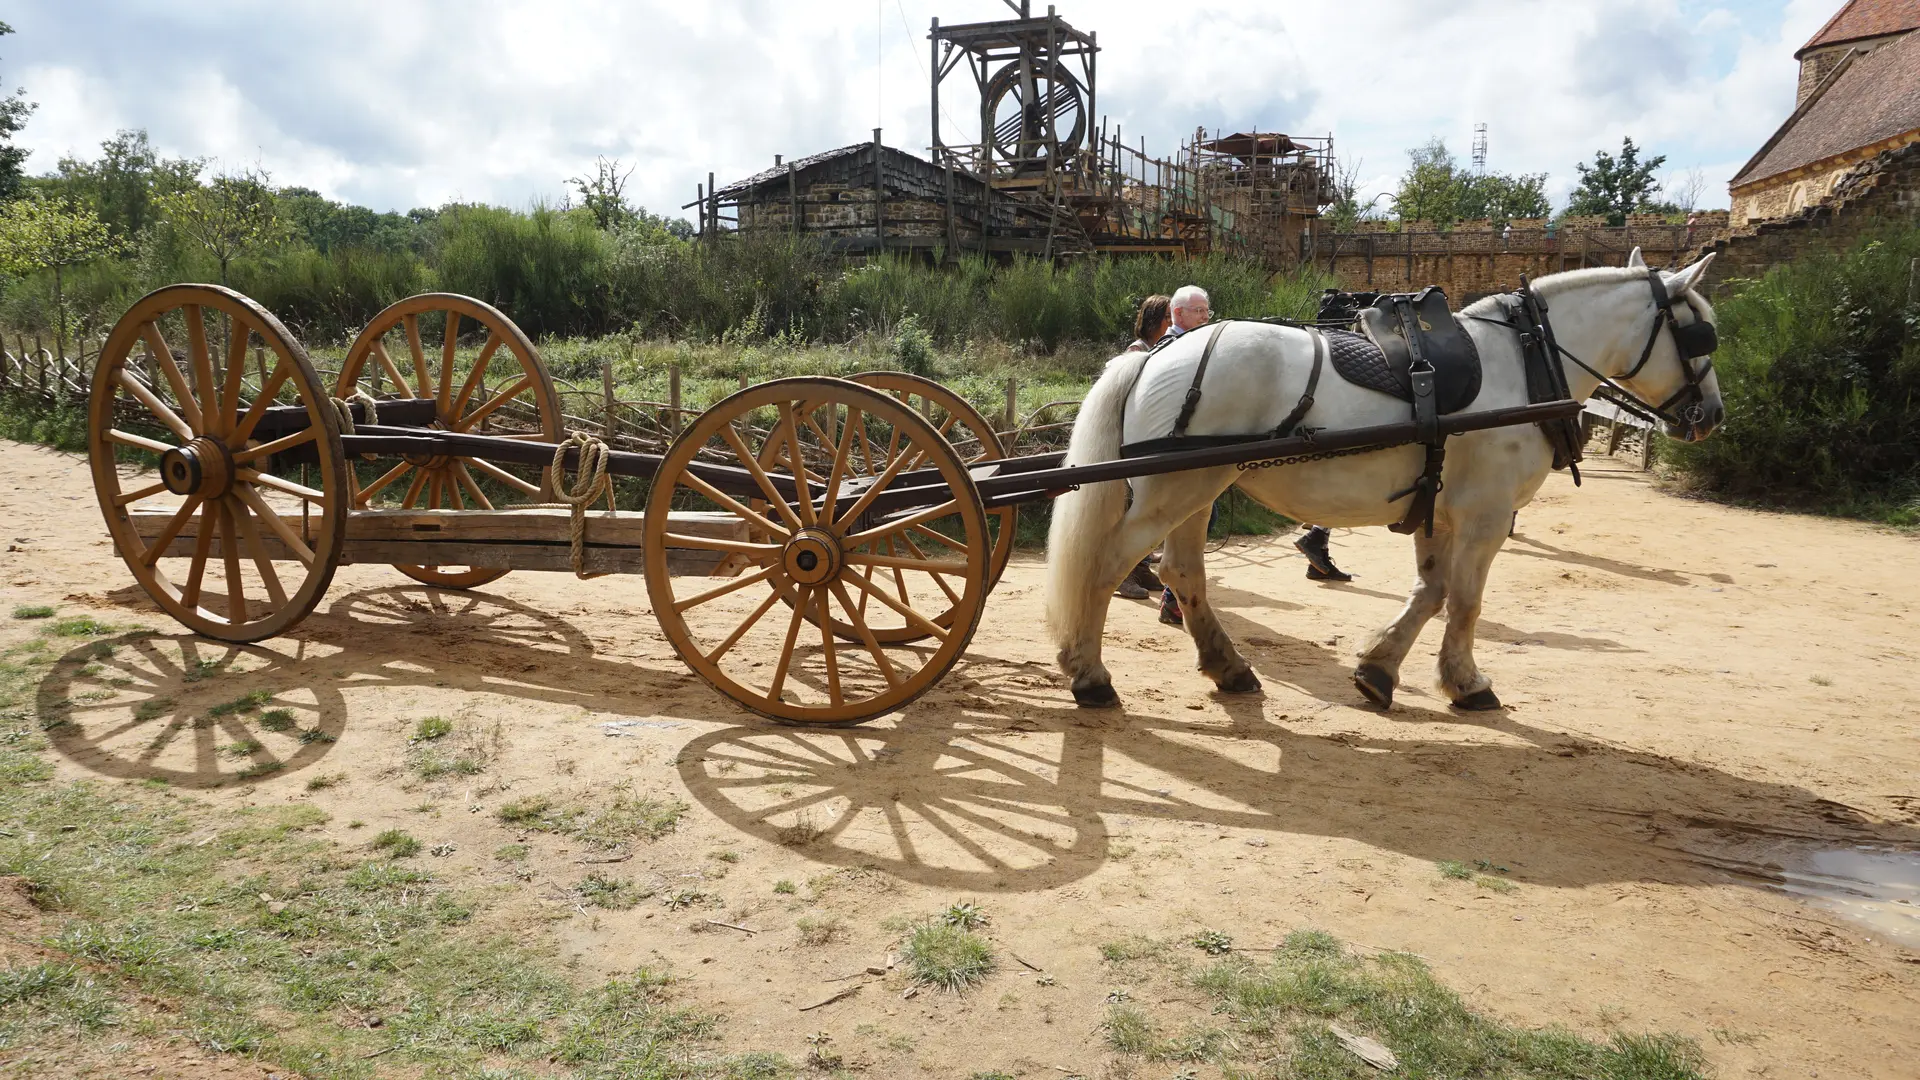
column 773, row 597
column 945, row 509
column 202, row 550
column 126, row 438
column 278, row 524
column 730, row 587
column 174, row 524
column 900, row 562
column 466, row 423
column 205, row 394
column 154, row 405
column 506, row 477
column 797, row 464
column 261, row 402
column 250, row 535
column 392, row 369
column 413, row 489
column 230, row 552
column 285, row 442
column 826, row 645
column 758, row 521
column 450, row 483
column 899, row 579
column 839, row 469
column 367, row 493
column 856, row 615
column 163, row 359
column 786, row 648
column 472, row 486
column 913, row 617
column 934, row 569
column 238, row 335
column 894, row 465
column 477, row 376
column 137, row 494
column 446, row 359
column 760, row 476
column 287, row 487
column 714, row 543
column 412, row 325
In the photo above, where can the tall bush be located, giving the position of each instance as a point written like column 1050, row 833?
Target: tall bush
column 1820, row 369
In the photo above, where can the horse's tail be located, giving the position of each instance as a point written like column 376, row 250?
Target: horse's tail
column 1084, row 519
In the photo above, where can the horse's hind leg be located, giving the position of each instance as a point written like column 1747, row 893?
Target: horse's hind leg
column 1474, row 547
column 1379, row 669
column 1183, row 569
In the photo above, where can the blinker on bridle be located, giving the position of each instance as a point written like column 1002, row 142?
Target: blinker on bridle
column 1693, row 341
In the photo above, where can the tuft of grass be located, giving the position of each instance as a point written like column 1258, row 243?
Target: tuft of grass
column 33, row 611
column 431, row 727
column 200, row 670
column 397, row 843
column 947, row 957
column 1136, row 947
column 325, row 781
column 1212, row 942
column 785, row 887
column 432, row 764
column 277, row 720
column 725, row 855
column 1455, row 869
column 80, row 626
column 622, row 818
column 511, row 853
column 615, row 894
column 817, row 932
column 966, row 915
column 245, row 703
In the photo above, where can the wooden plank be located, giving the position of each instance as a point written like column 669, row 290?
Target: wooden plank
column 524, row 539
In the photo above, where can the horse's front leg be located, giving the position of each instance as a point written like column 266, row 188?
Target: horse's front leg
column 1475, row 544
column 1183, row 569
column 1379, row 668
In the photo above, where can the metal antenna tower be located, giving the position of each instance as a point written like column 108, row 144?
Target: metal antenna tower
column 1479, row 149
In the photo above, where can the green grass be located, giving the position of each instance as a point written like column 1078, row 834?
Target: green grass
column 1212, row 942
column 33, row 611
column 1277, row 1014
column 245, row 703
column 1455, row 869
column 818, row 931
column 81, row 626
column 966, row 915
column 1132, row 948
column 947, row 957
column 619, row 819
column 785, row 887
column 431, row 727
column 616, row 894
column 434, row 764
column 397, row 843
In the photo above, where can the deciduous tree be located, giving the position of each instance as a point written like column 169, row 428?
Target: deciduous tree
column 1618, row 186
column 232, row 215
column 41, row 234
column 14, row 110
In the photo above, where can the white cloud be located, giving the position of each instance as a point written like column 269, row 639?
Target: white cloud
column 405, row 104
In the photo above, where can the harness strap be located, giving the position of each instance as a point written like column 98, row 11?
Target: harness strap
column 1305, row 403
column 1663, row 310
column 1193, row 392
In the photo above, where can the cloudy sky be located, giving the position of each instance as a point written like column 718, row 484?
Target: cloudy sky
column 402, row 103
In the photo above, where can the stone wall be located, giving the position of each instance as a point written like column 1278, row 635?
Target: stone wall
column 1881, row 193
column 1474, row 259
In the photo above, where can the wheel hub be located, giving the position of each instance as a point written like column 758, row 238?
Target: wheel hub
column 812, row 557
column 203, row 467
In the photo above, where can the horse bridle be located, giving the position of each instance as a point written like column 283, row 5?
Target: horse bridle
column 1693, row 341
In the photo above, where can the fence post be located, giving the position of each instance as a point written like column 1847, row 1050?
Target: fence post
column 743, row 382
column 673, row 398
column 606, row 390
column 1013, row 404
column 1646, row 448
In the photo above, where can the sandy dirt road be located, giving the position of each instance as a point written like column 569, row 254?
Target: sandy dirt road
column 1708, row 709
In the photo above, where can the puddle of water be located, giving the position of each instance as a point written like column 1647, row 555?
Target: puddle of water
column 1877, row 888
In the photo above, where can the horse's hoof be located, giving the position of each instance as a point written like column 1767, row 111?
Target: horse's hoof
column 1095, row 696
column 1479, row 701
column 1374, row 684
column 1244, row 682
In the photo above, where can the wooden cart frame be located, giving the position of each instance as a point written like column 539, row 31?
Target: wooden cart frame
column 817, row 549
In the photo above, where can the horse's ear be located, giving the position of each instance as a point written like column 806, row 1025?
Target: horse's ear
column 1686, row 279
column 1635, row 261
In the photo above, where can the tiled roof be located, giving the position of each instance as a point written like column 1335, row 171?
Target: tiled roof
column 779, row 172
column 1862, row 19
column 1868, row 98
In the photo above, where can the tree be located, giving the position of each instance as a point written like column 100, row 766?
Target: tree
column 1346, row 210
column 14, row 111
column 604, row 195
column 230, row 216
column 41, row 234
column 1617, row 187
column 1436, row 189
column 122, row 185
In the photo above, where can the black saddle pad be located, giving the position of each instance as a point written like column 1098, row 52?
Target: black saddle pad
column 1362, row 360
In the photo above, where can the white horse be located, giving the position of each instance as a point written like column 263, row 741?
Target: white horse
column 1608, row 318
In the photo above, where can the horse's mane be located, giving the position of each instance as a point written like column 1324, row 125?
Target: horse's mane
column 1554, row 284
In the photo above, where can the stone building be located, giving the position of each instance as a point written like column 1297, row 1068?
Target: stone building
column 1859, row 97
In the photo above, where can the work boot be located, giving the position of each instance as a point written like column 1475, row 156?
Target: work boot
column 1144, row 577
column 1319, row 559
column 1132, row 590
column 1170, row 609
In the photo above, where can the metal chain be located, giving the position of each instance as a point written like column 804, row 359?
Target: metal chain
column 1301, row 459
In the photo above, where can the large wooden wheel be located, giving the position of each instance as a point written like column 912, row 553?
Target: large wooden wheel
column 820, row 558
column 972, row 437
column 261, row 546
column 450, row 346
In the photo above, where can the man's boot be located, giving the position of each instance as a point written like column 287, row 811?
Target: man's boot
column 1319, row 559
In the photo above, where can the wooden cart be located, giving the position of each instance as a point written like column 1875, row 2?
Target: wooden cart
column 819, row 550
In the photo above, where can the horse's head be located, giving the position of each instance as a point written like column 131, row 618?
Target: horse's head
column 1674, row 369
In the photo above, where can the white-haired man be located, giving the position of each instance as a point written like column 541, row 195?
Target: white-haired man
column 1191, row 309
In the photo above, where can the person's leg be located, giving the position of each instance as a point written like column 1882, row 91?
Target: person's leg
column 1320, row 565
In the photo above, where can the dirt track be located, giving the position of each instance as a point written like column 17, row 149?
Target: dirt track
column 1701, row 700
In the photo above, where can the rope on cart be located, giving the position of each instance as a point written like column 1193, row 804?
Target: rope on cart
column 591, row 482
column 344, row 407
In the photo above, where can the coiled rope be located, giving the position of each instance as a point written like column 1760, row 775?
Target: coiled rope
column 344, row 408
column 590, row 483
